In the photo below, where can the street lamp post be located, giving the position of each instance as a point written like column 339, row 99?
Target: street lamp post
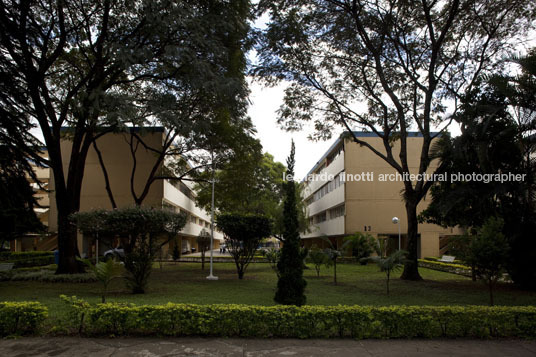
column 397, row 221
column 211, row 276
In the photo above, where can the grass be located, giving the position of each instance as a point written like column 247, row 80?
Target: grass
column 357, row 285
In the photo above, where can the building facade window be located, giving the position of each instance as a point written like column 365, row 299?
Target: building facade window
column 325, row 189
column 336, row 212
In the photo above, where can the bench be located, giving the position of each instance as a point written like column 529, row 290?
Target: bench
column 447, row 259
column 6, row 266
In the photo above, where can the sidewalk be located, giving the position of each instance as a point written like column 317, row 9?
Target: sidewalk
column 119, row 347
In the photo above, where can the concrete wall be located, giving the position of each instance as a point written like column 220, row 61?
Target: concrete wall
column 118, row 161
column 370, row 204
column 119, row 164
column 373, row 204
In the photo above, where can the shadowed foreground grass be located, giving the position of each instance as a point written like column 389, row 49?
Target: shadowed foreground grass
column 357, row 285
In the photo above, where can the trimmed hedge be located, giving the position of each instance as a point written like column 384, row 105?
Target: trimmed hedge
column 302, row 322
column 27, row 259
column 21, row 318
column 446, row 267
column 12, row 256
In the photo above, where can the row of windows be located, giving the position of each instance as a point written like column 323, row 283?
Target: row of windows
column 323, row 216
column 324, row 190
column 190, row 218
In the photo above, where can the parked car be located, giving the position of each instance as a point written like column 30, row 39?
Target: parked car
column 118, row 253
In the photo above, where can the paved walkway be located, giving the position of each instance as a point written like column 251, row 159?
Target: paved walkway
column 148, row 347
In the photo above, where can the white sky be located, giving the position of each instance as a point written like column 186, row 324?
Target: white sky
column 265, row 101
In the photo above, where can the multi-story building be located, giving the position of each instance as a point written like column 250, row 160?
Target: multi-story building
column 118, row 161
column 354, row 190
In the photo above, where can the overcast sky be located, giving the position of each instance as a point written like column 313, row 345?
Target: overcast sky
column 264, row 104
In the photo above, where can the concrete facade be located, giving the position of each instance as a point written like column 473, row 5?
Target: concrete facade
column 364, row 195
column 119, row 163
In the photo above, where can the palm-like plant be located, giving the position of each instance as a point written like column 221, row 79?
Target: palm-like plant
column 105, row 272
column 333, row 252
column 390, row 264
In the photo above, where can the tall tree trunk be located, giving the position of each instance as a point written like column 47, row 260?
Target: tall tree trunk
column 490, row 286
column 335, row 271
column 67, row 243
column 411, row 267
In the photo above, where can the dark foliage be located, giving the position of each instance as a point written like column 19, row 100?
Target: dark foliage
column 243, row 233
column 291, row 284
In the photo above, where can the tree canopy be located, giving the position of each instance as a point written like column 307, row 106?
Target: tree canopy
column 96, row 67
column 387, row 68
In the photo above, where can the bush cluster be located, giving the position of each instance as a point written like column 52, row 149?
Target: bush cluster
column 304, row 322
column 21, row 318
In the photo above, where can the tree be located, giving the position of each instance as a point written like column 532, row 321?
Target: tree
column 142, row 231
column 387, row 68
column 203, row 244
column 176, row 250
column 93, row 67
column 362, row 246
column 243, row 233
column 105, row 272
column 291, row 284
column 317, row 257
column 390, row 264
column 488, row 252
column 333, row 252
column 493, row 142
column 17, row 201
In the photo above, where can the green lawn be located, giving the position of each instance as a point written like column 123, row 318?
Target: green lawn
column 358, row 285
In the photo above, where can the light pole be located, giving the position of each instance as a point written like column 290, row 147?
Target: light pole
column 211, row 276
column 397, row 221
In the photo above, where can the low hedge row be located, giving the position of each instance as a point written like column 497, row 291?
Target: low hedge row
column 302, row 322
column 12, row 256
column 446, row 267
column 47, row 275
column 32, row 261
column 436, row 259
column 21, row 318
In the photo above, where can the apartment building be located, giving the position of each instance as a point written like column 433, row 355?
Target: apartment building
column 350, row 189
column 119, row 163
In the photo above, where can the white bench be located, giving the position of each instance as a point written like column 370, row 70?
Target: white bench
column 447, row 259
column 6, row 266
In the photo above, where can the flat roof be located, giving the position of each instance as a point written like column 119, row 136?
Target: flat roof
column 137, row 129
column 361, row 134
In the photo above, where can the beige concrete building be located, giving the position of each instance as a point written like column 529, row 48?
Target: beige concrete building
column 169, row 194
column 357, row 191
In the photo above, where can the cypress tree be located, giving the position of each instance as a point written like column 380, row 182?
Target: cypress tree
column 291, row 285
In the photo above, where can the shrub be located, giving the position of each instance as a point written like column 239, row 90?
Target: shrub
column 273, row 255
column 317, row 257
column 142, row 230
column 488, row 253
column 362, row 245
column 21, row 318
column 307, row 321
